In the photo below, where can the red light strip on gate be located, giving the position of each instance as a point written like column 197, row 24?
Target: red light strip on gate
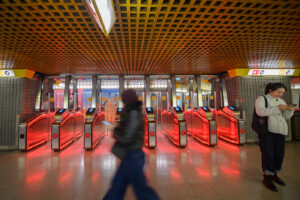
column 202, row 140
column 36, row 144
column 66, row 144
column 36, row 120
column 229, row 140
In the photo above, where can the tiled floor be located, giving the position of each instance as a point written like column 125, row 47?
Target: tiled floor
column 197, row 172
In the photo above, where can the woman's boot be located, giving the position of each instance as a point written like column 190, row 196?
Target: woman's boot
column 268, row 183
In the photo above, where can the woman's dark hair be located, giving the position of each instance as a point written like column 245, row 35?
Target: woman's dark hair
column 273, row 87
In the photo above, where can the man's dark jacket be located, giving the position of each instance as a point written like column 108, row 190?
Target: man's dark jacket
column 130, row 131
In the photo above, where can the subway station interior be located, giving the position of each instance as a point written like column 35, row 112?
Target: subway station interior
column 197, row 66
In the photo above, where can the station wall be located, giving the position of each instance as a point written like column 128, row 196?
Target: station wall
column 17, row 97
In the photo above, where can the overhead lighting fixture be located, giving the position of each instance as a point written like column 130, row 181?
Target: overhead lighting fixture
column 104, row 14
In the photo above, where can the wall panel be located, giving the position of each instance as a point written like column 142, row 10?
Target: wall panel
column 17, row 96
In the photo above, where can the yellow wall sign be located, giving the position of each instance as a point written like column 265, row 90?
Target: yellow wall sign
column 187, row 98
column 103, row 98
column 178, row 97
column 7, row 73
column 163, row 98
column 90, row 99
column 153, row 98
column 140, row 98
column 51, row 99
column 211, row 97
column 115, row 99
column 263, row 72
column 282, row 72
column 22, row 73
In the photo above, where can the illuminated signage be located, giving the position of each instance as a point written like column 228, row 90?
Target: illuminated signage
column 7, row 73
column 271, row 72
column 104, row 13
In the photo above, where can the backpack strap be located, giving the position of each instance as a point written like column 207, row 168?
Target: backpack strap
column 266, row 102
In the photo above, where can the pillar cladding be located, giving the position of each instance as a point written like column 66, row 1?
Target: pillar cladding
column 94, row 91
column 243, row 91
column 216, row 91
column 173, row 82
column 199, row 94
column 67, row 92
column 17, row 97
column 121, row 90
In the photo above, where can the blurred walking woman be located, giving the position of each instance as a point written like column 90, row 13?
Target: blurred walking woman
column 272, row 141
column 129, row 135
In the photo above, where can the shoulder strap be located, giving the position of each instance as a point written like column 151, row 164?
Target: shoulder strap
column 266, row 102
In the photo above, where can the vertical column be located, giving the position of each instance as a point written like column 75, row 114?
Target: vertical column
column 39, row 97
column 224, row 92
column 67, row 92
column 191, row 89
column 173, row 93
column 75, row 94
column 199, row 93
column 51, row 96
column 121, row 90
column 94, row 91
column 148, row 100
column 98, row 93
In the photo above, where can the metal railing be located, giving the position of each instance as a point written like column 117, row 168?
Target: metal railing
column 170, row 126
column 94, row 131
column 200, row 128
column 35, row 130
column 230, row 128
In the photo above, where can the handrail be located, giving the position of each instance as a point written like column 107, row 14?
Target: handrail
column 171, row 116
column 36, row 120
column 65, row 120
column 225, row 114
column 102, row 114
column 202, row 118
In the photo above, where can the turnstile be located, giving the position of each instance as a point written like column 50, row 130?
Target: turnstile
column 150, row 128
column 66, row 129
column 34, row 130
column 174, row 126
column 94, row 130
column 201, row 125
column 230, row 125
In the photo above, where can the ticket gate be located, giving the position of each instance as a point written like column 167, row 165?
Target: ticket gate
column 201, row 125
column 230, row 125
column 94, row 130
column 173, row 126
column 34, row 130
column 150, row 128
column 68, row 126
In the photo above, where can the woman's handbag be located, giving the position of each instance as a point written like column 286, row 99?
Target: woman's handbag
column 260, row 124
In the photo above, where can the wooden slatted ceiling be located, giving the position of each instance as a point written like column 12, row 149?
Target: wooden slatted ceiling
column 150, row 36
